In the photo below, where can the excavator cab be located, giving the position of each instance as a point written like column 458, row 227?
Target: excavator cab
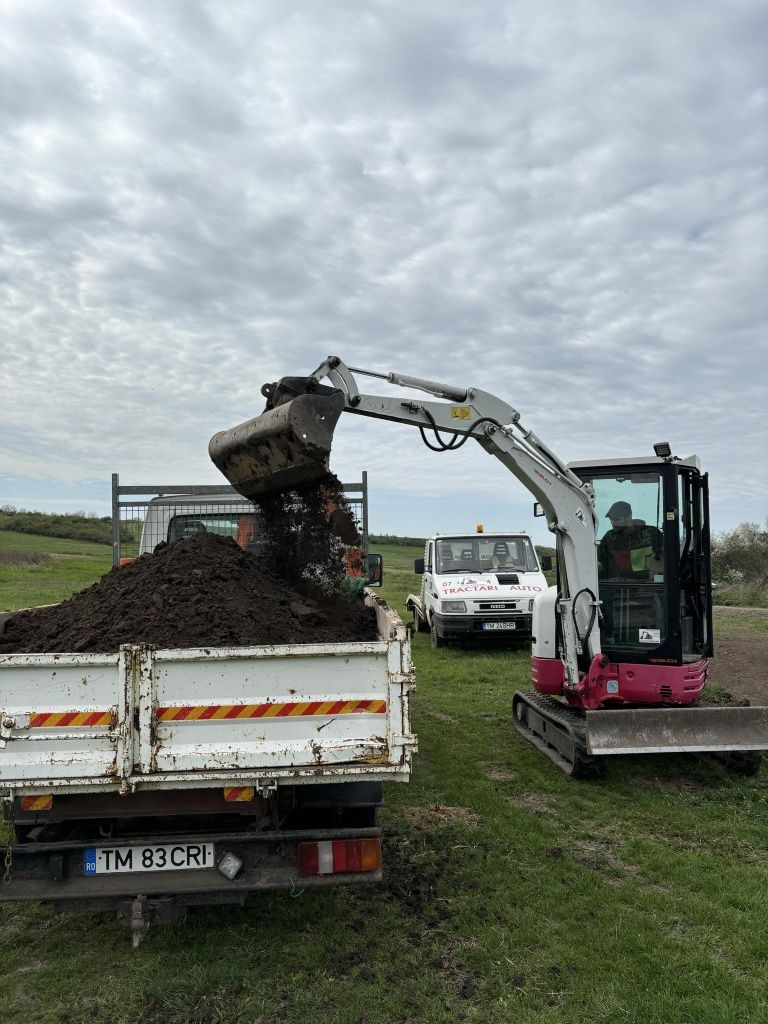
column 653, row 559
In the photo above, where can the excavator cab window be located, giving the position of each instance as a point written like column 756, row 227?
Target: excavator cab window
column 653, row 561
column 630, row 558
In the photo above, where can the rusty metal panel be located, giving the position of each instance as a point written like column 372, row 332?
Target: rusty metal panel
column 65, row 716
column 194, row 718
column 270, row 707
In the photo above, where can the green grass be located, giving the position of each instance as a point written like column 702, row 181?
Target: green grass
column 76, row 564
column 512, row 895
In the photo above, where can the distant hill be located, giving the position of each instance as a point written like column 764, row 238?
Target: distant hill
column 84, row 526
column 75, row 526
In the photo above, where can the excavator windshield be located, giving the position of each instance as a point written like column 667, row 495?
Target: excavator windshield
column 653, row 558
column 630, row 510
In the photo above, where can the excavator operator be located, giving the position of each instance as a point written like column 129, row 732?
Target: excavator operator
column 630, row 549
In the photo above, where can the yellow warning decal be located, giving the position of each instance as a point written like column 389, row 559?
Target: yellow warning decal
column 234, row 794
column 230, row 712
column 37, row 803
column 461, row 412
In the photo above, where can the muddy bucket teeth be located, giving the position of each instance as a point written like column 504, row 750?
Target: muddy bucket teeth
column 284, row 447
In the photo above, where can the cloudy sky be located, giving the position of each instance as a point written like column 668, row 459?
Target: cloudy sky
column 563, row 203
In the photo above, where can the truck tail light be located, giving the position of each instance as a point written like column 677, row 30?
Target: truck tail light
column 339, row 856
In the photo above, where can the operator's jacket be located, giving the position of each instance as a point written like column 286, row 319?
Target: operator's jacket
column 625, row 554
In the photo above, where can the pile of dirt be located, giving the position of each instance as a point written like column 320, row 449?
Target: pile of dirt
column 204, row 591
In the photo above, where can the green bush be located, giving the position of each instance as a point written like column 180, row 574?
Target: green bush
column 74, row 526
column 740, row 566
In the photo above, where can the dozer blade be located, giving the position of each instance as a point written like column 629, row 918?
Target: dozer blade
column 677, row 730
column 284, row 447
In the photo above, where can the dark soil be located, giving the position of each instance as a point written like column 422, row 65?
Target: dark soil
column 203, row 591
column 741, row 653
column 311, row 536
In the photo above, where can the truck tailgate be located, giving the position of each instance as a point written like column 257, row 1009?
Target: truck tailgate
column 160, row 719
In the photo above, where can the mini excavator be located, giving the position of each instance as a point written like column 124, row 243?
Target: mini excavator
column 621, row 643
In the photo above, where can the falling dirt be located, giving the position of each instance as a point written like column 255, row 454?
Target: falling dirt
column 310, row 536
column 203, row 591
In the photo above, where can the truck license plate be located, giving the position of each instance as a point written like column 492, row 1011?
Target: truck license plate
column 106, row 860
column 499, row 625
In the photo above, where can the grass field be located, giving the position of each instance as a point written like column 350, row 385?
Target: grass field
column 511, row 895
column 76, row 564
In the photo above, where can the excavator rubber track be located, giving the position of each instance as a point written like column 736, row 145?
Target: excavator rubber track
column 558, row 731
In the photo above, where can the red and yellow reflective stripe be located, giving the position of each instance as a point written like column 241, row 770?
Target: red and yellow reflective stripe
column 228, row 712
column 58, row 719
column 37, row 803
column 235, row 794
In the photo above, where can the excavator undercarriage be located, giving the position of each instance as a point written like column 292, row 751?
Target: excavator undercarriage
column 579, row 741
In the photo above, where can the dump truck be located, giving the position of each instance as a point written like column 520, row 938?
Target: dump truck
column 147, row 781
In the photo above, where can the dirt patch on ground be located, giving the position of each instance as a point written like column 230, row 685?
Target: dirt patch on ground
column 439, row 715
column 672, row 783
column 538, row 802
column 599, row 856
column 740, row 664
column 433, row 815
column 497, row 774
column 204, row 591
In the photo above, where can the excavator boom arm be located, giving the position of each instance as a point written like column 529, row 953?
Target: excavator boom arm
column 251, row 456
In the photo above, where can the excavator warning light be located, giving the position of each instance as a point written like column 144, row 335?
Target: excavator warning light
column 479, row 528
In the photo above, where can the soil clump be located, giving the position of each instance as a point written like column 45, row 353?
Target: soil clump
column 206, row 591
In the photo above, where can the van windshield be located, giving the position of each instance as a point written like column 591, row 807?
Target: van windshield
column 480, row 553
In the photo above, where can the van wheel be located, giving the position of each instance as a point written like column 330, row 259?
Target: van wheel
column 419, row 624
column 437, row 640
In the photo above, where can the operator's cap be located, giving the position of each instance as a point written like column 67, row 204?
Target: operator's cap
column 619, row 508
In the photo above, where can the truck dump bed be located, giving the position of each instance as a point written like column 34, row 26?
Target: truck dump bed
column 148, row 719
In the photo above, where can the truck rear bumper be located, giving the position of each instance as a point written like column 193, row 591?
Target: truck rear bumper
column 270, row 860
column 477, row 626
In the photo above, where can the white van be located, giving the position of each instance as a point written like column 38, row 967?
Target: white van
column 476, row 586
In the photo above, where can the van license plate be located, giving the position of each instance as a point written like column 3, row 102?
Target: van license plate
column 110, row 860
column 499, row 625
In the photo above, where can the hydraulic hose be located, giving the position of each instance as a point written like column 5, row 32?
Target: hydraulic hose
column 456, row 440
column 582, row 639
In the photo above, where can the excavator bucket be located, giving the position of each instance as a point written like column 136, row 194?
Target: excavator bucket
column 287, row 445
column 713, row 730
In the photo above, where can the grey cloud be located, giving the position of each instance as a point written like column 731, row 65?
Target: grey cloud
column 566, row 206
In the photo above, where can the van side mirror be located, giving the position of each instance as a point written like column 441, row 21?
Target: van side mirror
column 538, row 509
column 375, row 573
column 418, row 566
column 546, row 562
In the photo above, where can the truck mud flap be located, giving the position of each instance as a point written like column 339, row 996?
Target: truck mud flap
column 711, row 730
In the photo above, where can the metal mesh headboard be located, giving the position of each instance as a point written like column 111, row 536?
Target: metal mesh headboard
column 142, row 521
